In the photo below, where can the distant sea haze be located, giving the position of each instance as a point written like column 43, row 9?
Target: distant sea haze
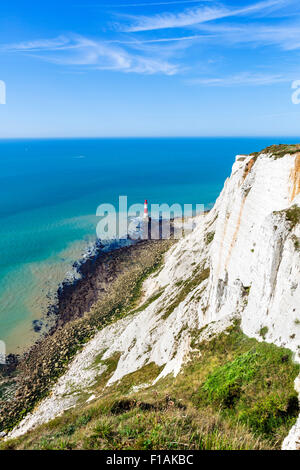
column 50, row 193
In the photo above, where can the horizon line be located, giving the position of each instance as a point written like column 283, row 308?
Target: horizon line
column 152, row 137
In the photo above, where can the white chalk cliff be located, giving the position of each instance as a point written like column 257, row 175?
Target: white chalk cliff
column 247, row 248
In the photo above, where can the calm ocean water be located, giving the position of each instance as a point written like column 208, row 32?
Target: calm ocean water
column 50, row 192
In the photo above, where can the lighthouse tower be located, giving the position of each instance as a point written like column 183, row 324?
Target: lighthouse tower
column 146, row 214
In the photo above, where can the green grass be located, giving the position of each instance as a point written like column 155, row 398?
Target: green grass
column 255, row 388
column 111, row 364
column 209, row 237
column 279, row 151
column 223, row 386
column 263, row 332
column 227, row 387
column 199, row 275
column 293, row 215
column 152, row 299
column 238, row 395
column 296, row 241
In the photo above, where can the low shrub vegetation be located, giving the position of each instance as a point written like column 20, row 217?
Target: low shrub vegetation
column 293, row 215
column 263, row 332
column 279, row 151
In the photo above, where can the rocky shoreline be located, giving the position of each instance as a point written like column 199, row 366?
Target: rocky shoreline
column 83, row 268
column 87, row 280
column 109, row 284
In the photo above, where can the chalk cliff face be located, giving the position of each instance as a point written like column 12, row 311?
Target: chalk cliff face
column 242, row 261
column 254, row 257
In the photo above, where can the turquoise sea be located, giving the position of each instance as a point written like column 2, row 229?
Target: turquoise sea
column 50, row 190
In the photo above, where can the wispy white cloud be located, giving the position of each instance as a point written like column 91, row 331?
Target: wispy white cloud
column 146, row 54
column 50, row 44
column 171, row 20
column 101, row 55
column 193, row 37
column 242, row 79
column 194, row 16
column 285, row 35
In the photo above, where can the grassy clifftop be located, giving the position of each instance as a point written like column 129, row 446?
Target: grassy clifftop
column 234, row 393
column 280, row 150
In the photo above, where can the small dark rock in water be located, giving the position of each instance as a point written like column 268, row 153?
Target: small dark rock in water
column 37, row 325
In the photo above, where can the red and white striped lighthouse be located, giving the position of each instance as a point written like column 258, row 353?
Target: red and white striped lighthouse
column 146, row 214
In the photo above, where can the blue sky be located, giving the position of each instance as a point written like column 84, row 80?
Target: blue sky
column 149, row 68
